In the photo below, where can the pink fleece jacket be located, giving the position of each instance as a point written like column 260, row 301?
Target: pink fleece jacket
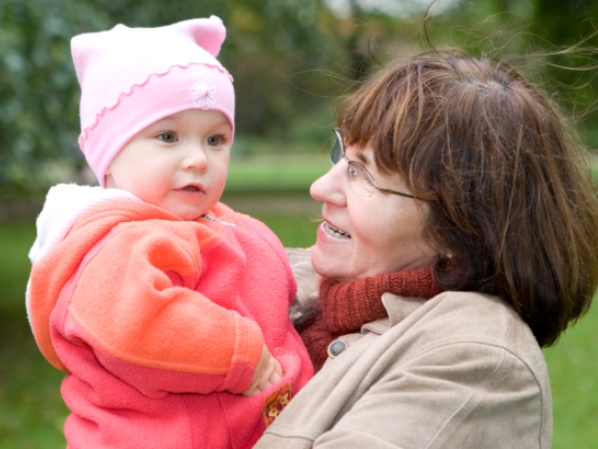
column 159, row 324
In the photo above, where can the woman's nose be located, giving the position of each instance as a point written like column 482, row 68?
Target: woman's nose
column 330, row 187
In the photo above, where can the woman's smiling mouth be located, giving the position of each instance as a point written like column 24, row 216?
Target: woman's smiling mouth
column 334, row 232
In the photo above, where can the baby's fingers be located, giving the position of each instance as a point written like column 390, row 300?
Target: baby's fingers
column 267, row 373
column 276, row 374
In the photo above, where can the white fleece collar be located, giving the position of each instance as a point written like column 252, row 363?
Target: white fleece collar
column 64, row 204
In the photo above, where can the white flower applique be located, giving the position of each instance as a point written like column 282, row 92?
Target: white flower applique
column 203, row 93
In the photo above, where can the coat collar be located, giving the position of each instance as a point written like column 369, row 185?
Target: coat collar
column 398, row 308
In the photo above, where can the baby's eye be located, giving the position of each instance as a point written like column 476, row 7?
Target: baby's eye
column 216, row 140
column 167, row 137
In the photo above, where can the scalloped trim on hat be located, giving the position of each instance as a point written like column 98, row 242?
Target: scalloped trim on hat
column 85, row 132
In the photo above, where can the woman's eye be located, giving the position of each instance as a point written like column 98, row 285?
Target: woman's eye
column 167, row 137
column 357, row 173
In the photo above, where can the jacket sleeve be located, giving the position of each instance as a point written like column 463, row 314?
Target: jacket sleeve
column 305, row 304
column 136, row 306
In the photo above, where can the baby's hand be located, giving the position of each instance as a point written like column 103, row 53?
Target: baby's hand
column 267, row 372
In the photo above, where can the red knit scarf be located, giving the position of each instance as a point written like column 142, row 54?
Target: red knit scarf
column 345, row 307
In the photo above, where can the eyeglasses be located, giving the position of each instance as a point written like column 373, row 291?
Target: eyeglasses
column 360, row 180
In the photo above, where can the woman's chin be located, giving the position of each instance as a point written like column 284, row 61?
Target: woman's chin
column 330, row 264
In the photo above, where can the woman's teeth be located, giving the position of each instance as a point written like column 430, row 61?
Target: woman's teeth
column 335, row 232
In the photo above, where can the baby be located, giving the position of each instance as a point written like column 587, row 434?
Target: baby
column 166, row 309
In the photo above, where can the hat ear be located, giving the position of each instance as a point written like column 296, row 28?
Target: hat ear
column 86, row 47
column 80, row 49
column 209, row 34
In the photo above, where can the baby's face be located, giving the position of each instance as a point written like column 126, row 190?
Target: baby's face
column 179, row 163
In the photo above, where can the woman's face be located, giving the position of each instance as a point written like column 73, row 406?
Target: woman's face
column 366, row 236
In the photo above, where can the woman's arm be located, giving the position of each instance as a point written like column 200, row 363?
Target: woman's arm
column 485, row 397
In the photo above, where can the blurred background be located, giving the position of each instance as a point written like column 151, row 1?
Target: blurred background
column 292, row 60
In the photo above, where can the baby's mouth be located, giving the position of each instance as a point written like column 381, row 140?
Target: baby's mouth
column 335, row 232
column 193, row 189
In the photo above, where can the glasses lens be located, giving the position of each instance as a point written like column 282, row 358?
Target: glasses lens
column 336, row 152
column 359, row 180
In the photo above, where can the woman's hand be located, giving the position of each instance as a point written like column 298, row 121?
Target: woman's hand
column 267, row 372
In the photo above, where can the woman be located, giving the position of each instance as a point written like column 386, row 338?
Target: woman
column 459, row 237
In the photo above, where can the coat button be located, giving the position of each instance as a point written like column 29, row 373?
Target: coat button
column 337, row 347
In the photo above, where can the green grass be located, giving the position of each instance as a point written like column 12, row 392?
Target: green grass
column 573, row 367
column 278, row 172
column 32, row 412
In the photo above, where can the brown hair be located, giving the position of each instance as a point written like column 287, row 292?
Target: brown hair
column 508, row 193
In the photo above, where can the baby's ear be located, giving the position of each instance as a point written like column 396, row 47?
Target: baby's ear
column 108, row 177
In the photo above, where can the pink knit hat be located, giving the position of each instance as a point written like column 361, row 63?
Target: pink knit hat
column 133, row 77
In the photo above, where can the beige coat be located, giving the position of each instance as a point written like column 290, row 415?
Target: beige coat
column 458, row 371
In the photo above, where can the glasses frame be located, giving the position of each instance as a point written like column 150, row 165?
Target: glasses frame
column 350, row 163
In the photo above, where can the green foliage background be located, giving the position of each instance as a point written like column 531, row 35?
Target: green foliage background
column 290, row 59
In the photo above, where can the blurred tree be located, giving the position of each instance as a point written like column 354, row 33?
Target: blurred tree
column 568, row 23
column 276, row 51
column 565, row 22
column 38, row 92
column 289, row 58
